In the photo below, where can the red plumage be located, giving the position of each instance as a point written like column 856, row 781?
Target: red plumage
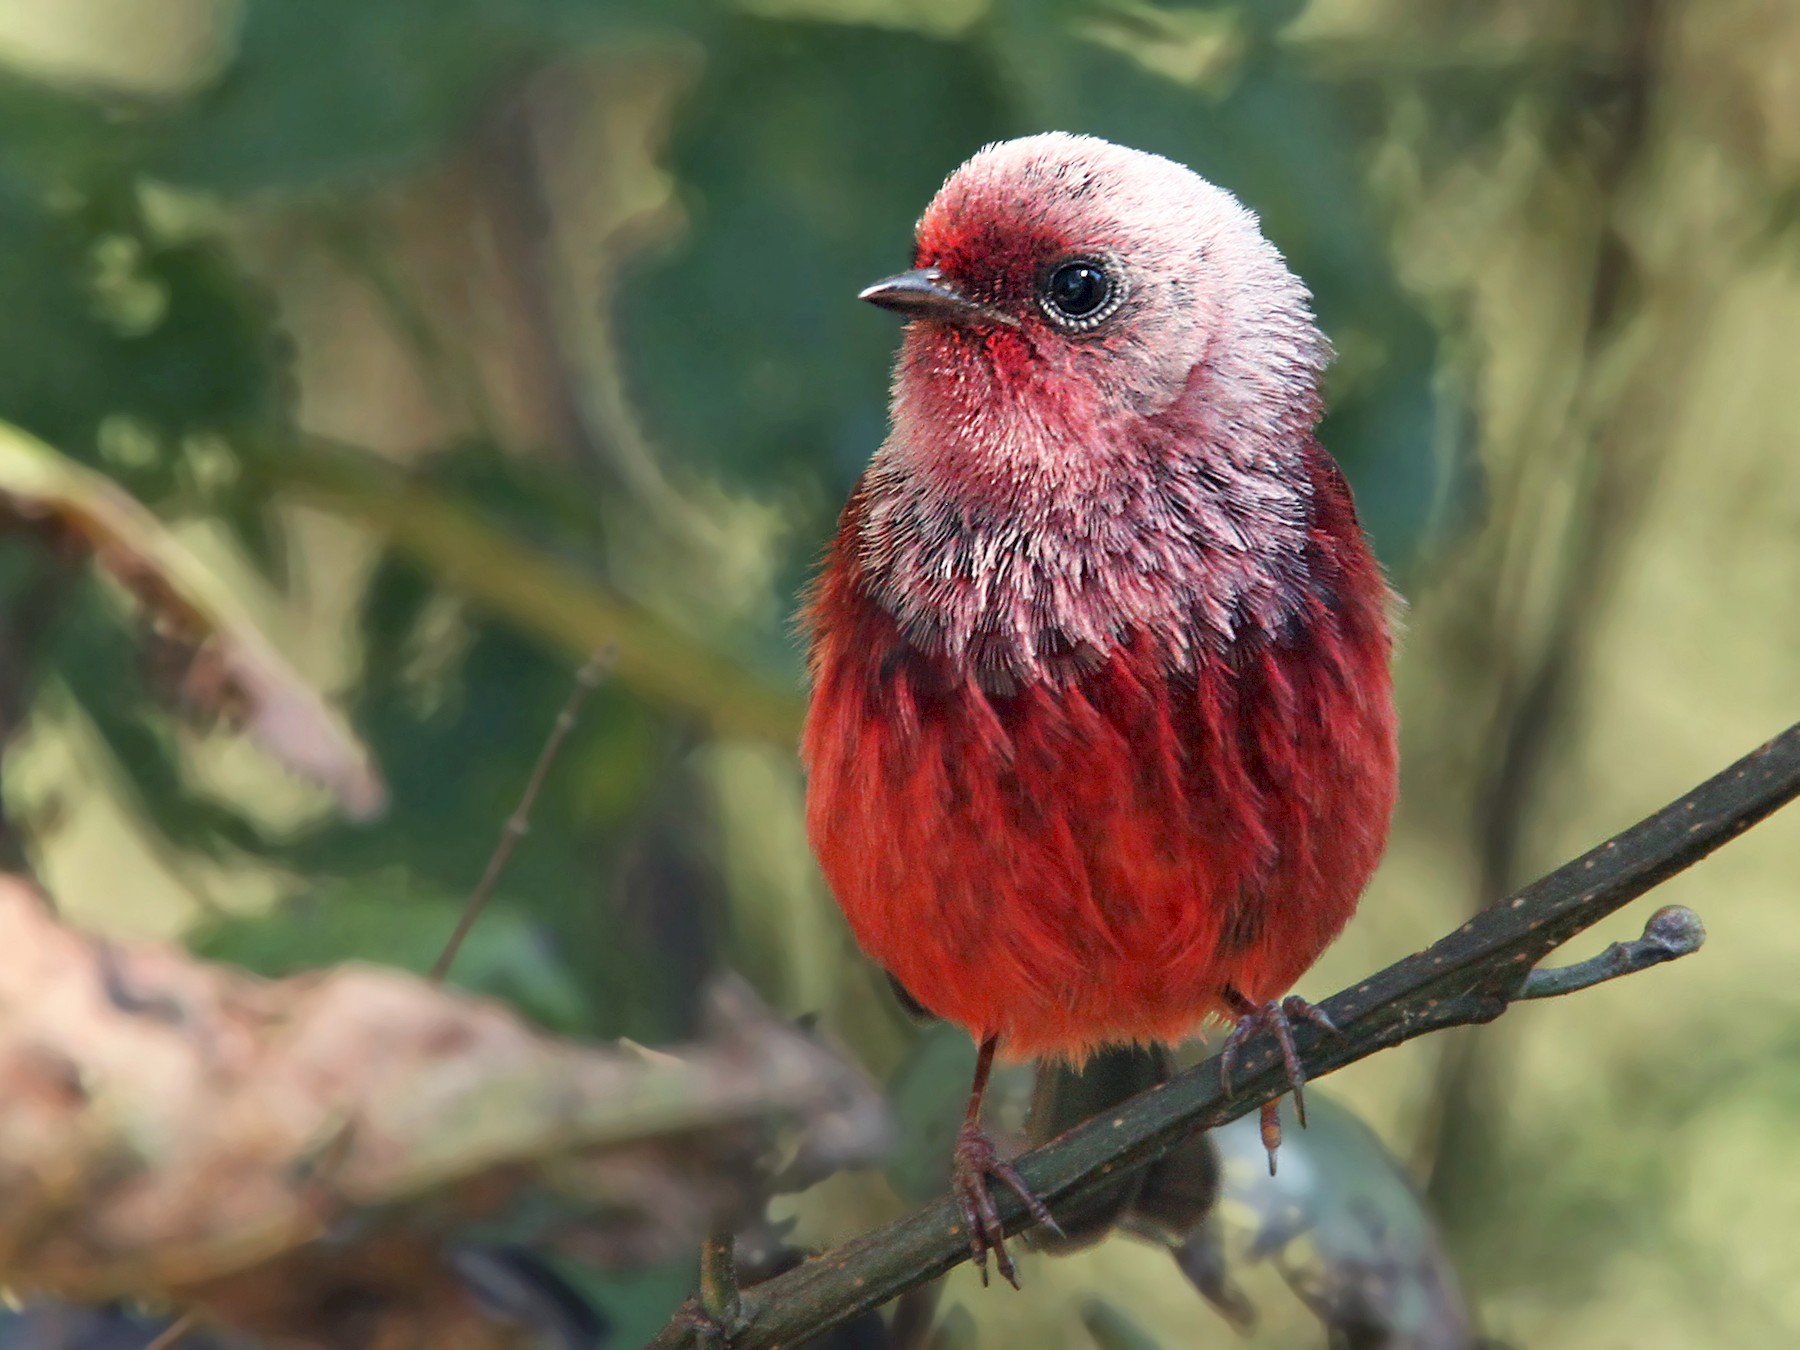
column 1102, row 739
column 1095, row 860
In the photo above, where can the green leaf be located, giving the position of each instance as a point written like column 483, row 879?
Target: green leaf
column 57, row 139
column 330, row 92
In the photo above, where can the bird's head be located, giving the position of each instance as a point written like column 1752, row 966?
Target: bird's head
column 1065, row 290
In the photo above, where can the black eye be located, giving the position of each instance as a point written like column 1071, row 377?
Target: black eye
column 1079, row 294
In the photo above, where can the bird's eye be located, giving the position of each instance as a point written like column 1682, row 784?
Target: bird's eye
column 1079, row 294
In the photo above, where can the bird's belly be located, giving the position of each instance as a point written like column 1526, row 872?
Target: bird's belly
column 1098, row 862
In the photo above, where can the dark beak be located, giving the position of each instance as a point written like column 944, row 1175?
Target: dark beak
column 924, row 294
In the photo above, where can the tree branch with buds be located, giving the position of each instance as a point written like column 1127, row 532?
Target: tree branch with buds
column 1470, row 976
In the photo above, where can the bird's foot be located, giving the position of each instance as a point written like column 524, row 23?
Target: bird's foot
column 976, row 1163
column 1276, row 1017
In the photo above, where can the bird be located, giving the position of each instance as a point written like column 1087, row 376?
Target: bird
column 1100, row 745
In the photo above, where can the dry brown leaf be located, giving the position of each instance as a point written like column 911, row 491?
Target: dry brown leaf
column 277, row 1153
column 228, row 668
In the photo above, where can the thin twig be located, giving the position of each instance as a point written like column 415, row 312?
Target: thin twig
column 172, row 1333
column 718, row 1279
column 1674, row 930
column 587, row 679
column 1470, row 976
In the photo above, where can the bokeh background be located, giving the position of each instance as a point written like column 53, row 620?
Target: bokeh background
column 458, row 337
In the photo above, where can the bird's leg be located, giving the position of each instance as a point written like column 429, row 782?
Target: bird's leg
column 976, row 1161
column 1277, row 1016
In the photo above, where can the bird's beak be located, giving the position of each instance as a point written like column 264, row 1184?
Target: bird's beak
column 923, row 293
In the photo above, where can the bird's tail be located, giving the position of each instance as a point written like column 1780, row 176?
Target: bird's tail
column 1166, row 1198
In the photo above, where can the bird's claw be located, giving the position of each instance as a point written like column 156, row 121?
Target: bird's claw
column 976, row 1162
column 1276, row 1017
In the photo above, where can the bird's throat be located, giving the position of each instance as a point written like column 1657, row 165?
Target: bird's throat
column 1197, row 550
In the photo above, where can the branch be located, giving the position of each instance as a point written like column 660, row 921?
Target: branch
column 1470, row 976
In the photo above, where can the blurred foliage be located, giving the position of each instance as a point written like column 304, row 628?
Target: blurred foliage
column 1344, row 1226
column 457, row 339
column 355, row 1156
column 507, row 956
column 339, row 92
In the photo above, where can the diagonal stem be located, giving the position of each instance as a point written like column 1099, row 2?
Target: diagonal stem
column 587, row 679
